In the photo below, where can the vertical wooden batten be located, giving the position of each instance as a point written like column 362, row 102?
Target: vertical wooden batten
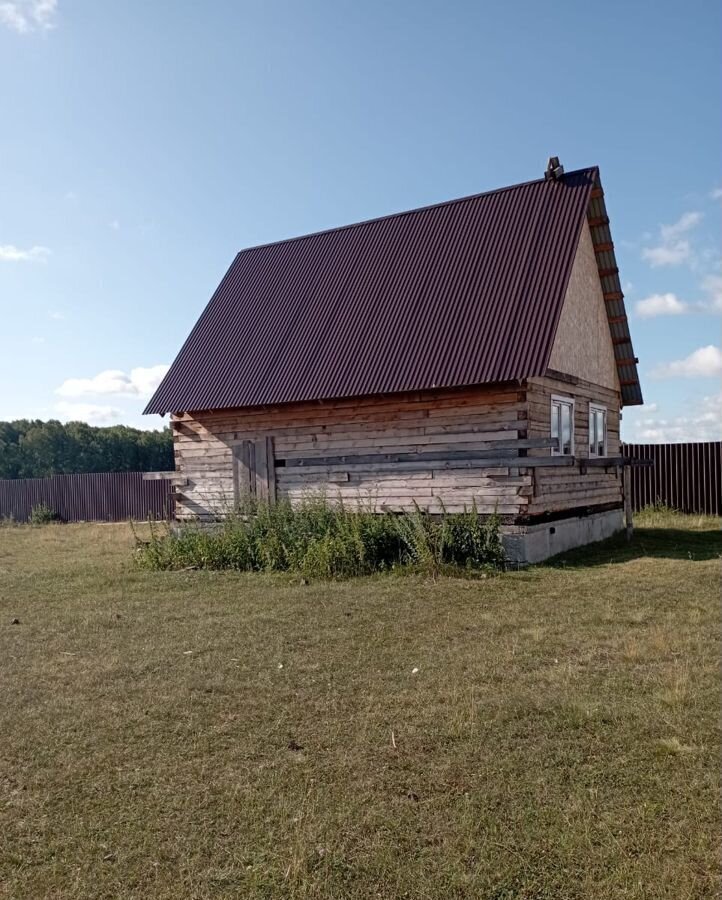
column 254, row 471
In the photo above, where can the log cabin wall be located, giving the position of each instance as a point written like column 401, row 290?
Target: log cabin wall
column 573, row 487
column 434, row 448
column 450, row 447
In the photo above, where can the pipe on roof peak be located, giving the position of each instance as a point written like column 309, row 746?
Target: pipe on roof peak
column 554, row 170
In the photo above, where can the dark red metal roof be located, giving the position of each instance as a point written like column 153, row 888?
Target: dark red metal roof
column 462, row 293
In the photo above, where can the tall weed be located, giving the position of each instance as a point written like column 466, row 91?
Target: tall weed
column 326, row 540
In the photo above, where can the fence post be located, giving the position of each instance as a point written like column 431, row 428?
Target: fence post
column 627, row 491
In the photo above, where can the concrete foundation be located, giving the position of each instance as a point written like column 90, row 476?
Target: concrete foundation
column 533, row 543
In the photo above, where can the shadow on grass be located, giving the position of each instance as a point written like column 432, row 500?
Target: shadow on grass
column 662, row 543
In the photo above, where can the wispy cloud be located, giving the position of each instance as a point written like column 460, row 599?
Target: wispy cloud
column 140, row 382
column 716, row 194
column 703, row 363
column 660, row 305
column 11, row 253
column 685, row 222
column 703, row 422
column 712, row 286
column 114, row 224
column 93, row 414
column 56, row 316
column 24, row 16
column 673, row 248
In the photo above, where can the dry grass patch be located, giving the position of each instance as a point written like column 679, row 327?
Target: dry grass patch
column 550, row 733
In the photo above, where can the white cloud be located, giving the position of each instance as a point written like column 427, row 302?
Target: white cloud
column 712, row 286
column 685, row 222
column 673, row 254
column 88, row 412
column 703, row 363
column 141, row 382
column 147, row 380
column 25, row 16
column 114, row 224
column 703, row 422
column 37, row 340
column 660, row 305
column 716, row 194
column 56, row 316
column 11, row 253
column 673, row 249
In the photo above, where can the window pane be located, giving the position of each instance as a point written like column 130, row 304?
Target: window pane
column 601, row 431
column 555, row 425
column 592, row 432
column 566, row 429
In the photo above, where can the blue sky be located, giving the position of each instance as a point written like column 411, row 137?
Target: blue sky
column 143, row 144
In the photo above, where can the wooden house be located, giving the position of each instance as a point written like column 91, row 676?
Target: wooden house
column 471, row 351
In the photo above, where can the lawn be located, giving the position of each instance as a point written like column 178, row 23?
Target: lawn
column 548, row 733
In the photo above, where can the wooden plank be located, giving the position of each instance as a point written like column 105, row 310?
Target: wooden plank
column 604, row 462
column 627, row 497
column 243, row 484
column 161, row 476
column 270, row 471
column 480, row 453
column 525, row 462
column 260, row 469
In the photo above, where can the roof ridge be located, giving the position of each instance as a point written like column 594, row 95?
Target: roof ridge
column 408, row 212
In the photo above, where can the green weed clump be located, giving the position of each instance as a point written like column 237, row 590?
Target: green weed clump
column 319, row 539
column 42, row 514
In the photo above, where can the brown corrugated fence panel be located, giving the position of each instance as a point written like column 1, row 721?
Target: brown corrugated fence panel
column 687, row 477
column 91, row 497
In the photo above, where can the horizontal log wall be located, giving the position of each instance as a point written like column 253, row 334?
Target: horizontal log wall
column 441, row 447
column 571, row 487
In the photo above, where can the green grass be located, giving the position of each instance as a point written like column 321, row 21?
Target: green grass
column 548, row 733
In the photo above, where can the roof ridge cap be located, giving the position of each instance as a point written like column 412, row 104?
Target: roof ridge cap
column 408, row 212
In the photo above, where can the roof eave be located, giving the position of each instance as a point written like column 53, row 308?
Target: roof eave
column 626, row 361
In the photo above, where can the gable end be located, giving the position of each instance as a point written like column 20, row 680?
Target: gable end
column 625, row 360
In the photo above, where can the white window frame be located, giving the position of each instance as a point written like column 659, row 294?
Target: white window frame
column 598, row 407
column 568, row 401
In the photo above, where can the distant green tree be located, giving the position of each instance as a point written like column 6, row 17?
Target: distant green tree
column 35, row 449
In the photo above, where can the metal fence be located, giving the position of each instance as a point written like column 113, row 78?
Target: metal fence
column 92, row 497
column 687, row 477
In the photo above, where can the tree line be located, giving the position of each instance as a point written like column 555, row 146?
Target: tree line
column 35, row 449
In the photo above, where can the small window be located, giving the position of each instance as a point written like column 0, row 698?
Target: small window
column 562, row 426
column 597, row 430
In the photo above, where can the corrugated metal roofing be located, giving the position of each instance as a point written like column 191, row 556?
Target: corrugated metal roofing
column 461, row 293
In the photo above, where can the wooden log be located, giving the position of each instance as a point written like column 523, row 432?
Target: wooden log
column 627, row 496
column 164, row 476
